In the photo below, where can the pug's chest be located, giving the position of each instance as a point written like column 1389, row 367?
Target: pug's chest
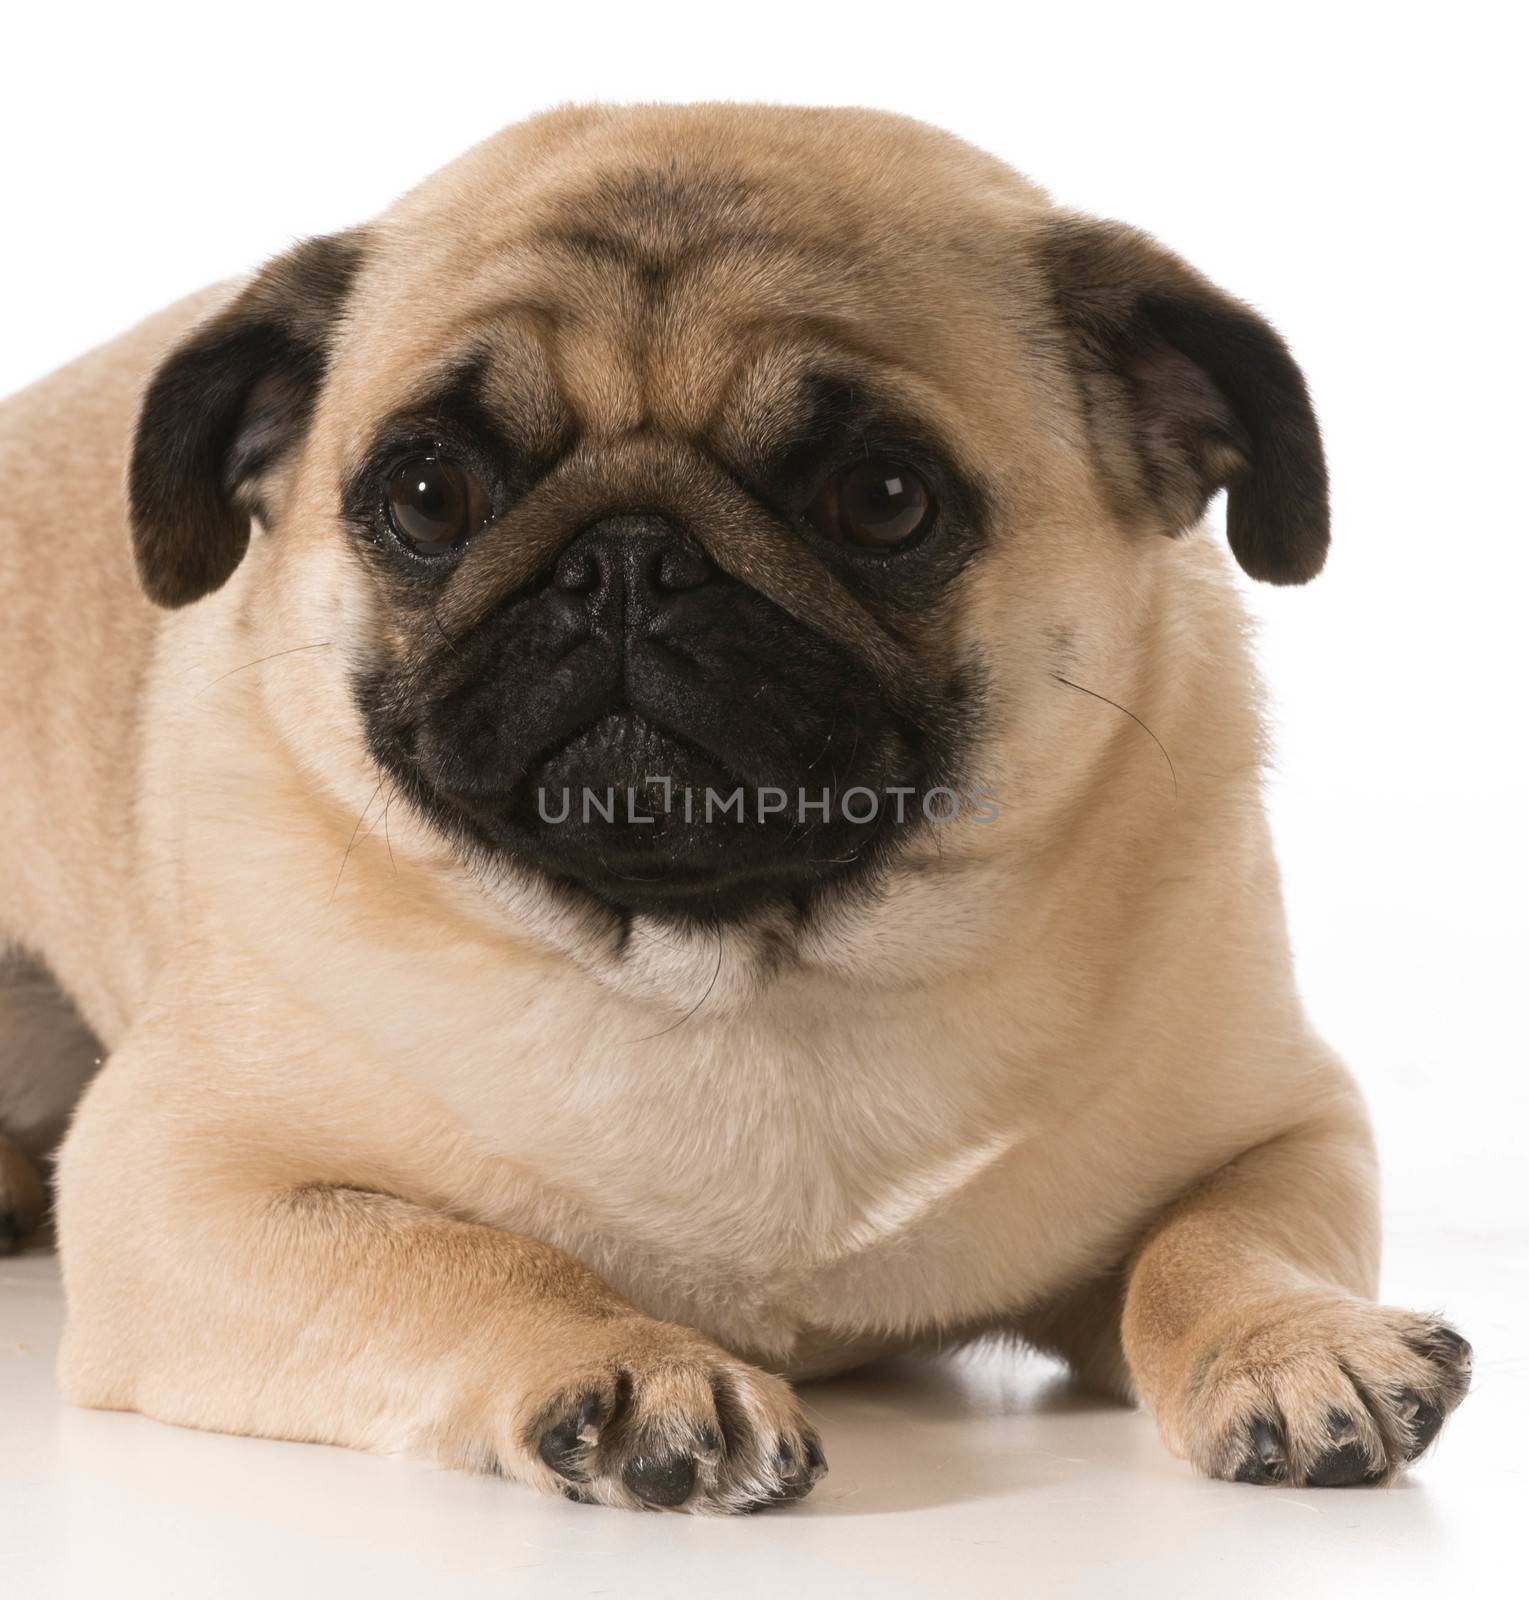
column 813, row 1260
column 785, row 1196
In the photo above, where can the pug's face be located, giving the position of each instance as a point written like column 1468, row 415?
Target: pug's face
column 707, row 488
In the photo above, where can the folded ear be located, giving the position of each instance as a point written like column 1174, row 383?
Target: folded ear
column 1189, row 391
column 224, row 407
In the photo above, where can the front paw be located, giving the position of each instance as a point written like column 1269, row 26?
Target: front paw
column 649, row 1415
column 1320, row 1391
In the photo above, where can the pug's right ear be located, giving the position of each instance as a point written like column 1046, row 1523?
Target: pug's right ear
column 224, row 408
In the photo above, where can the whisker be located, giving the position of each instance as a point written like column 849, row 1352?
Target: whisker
column 716, row 973
column 355, row 834
column 1094, row 693
column 435, row 618
column 292, row 651
column 388, row 838
column 626, row 877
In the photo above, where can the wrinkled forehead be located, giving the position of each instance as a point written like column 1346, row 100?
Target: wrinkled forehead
column 688, row 298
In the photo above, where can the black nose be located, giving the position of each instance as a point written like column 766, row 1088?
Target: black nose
column 629, row 571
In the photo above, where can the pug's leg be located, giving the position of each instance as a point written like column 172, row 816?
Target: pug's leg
column 1250, row 1329
column 203, row 1290
column 23, row 1196
column 1082, row 1328
column 46, row 1056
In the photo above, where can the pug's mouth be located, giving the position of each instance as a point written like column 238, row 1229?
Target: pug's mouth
column 646, row 821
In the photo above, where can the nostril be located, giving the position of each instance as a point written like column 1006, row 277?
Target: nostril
column 680, row 568
column 577, row 572
column 622, row 561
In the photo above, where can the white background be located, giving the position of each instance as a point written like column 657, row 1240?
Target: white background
column 1355, row 171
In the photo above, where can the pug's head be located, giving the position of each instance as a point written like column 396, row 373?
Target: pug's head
column 674, row 476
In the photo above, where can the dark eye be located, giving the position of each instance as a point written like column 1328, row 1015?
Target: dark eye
column 434, row 503
column 877, row 503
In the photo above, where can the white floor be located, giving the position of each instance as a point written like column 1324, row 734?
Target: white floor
column 974, row 1476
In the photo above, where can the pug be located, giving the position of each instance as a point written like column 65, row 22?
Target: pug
column 651, row 783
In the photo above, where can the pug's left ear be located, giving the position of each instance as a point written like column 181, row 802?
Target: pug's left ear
column 224, row 407
column 1188, row 391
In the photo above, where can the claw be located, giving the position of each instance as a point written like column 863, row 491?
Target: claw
column 1266, row 1461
